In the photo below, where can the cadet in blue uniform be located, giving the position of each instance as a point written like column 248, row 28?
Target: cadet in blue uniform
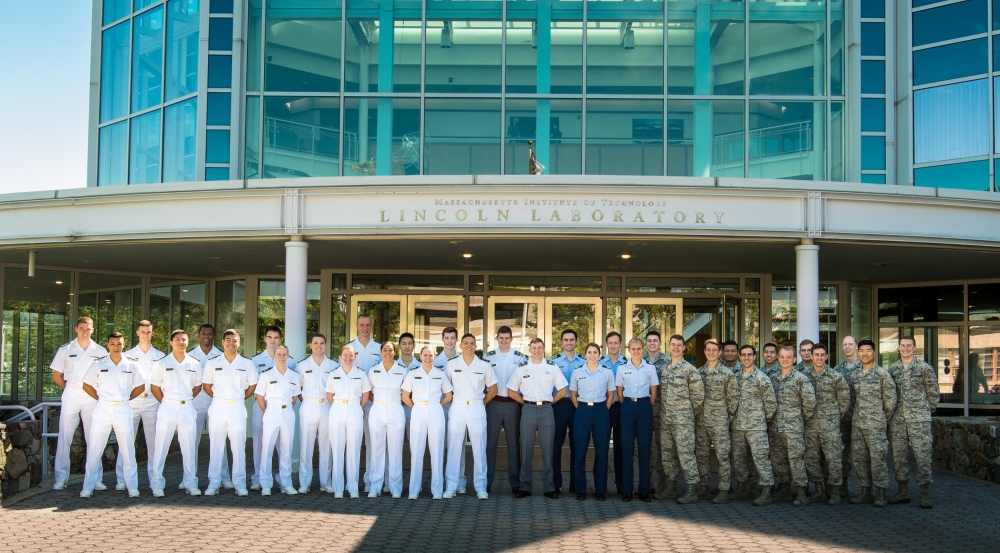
column 612, row 361
column 563, row 410
column 637, row 385
column 592, row 390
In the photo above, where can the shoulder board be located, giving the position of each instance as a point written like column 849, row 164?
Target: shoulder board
column 456, row 357
column 519, row 354
column 439, row 367
column 66, row 344
column 259, row 352
column 133, row 359
column 164, row 357
column 551, row 363
column 101, row 357
column 522, row 363
column 303, row 359
column 293, row 369
column 492, row 352
column 214, row 357
column 268, row 370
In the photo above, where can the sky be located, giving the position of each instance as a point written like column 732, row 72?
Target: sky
column 44, row 94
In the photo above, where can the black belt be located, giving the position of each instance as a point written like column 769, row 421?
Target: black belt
column 503, row 399
column 638, row 398
column 526, row 402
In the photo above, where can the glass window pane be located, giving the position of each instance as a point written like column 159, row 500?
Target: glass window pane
column 302, row 46
column 784, row 316
column 873, row 152
column 996, row 52
column 937, row 346
column 624, row 55
column 787, row 48
column 555, row 130
column 872, row 77
column 873, row 8
column 377, row 62
column 984, row 302
column 176, row 304
column 182, row 48
column 112, row 156
column 144, row 154
column 873, row 39
column 984, row 365
column 624, row 137
column 951, row 122
column 216, row 146
column 147, row 60
column 180, row 122
column 219, row 108
column 949, row 22
column 921, row 3
column 861, row 312
column 114, row 302
column 837, row 141
column 953, row 61
column 382, row 136
column 463, row 56
column 788, row 140
column 872, row 115
column 251, row 171
column 216, row 173
column 996, row 16
column 996, row 174
column 220, row 71
column 706, row 52
column 115, row 10
column 462, row 137
column 220, row 34
column 139, row 4
column 870, row 178
column 231, row 311
column 114, row 72
column 271, row 308
column 301, row 137
column 973, row 175
column 254, row 47
column 561, row 72
column 837, row 47
column 705, row 138
column 921, row 304
column 221, row 6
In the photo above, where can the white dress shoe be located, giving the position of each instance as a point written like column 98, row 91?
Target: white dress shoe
column 265, row 491
column 228, row 484
column 483, row 495
column 211, row 491
column 338, row 495
column 181, row 486
column 193, row 491
column 372, row 495
column 327, row 489
column 120, row 487
column 86, row 493
column 461, row 490
column 59, row 486
column 289, row 491
column 303, row 489
column 133, row 493
column 368, row 488
column 436, row 497
column 448, row 495
column 254, row 487
column 100, row 486
column 355, row 496
column 412, row 497
column 242, row 492
column 397, row 495
column 157, row 493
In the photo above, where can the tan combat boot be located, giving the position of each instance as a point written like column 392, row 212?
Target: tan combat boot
column 801, row 497
column 903, row 495
column 819, row 494
column 782, row 493
column 834, row 493
column 722, row 497
column 690, row 496
column 703, row 491
column 865, row 497
column 740, row 492
column 764, row 498
column 925, row 497
column 844, row 490
column 669, row 491
column 879, row 499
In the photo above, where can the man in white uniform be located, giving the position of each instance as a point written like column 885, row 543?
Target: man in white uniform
column 277, row 390
column 174, row 382
column 314, row 415
column 112, row 381
column 368, row 355
column 449, row 339
column 409, row 362
column 229, row 379
column 469, row 376
column 70, row 364
column 263, row 361
column 503, row 412
column 144, row 405
column 206, row 350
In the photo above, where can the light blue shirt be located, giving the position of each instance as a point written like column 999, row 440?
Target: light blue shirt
column 612, row 366
column 536, row 382
column 592, row 387
column 566, row 365
column 635, row 382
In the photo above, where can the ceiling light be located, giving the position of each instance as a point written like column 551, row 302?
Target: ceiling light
column 460, row 242
column 280, row 266
column 215, row 258
column 626, row 256
column 183, row 290
column 638, row 243
column 446, row 35
column 58, row 282
column 628, row 41
column 467, row 255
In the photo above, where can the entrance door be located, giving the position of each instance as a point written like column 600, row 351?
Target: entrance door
column 532, row 317
column 584, row 315
column 665, row 315
column 423, row 316
column 388, row 313
column 524, row 316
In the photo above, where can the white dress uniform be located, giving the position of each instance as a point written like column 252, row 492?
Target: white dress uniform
column 441, row 362
column 346, row 426
column 386, row 421
column 468, row 413
column 228, row 417
column 367, row 357
column 73, row 362
column 176, row 414
column 201, row 404
column 413, row 364
column 278, row 424
column 144, row 408
column 314, row 421
column 427, row 426
column 262, row 361
column 114, row 384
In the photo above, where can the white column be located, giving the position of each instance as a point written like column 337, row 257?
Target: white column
column 807, row 291
column 296, row 278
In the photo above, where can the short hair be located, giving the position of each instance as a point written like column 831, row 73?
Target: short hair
column 636, row 341
column 768, row 345
column 468, row 335
column 230, row 332
column 390, row 344
column 820, row 345
column 866, row 343
column 536, row 341
column 406, row 335
column 319, row 335
column 569, row 331
column 449, row 330
column 144, row 323
column 733, row 343
column 652, row 333
column 206, row 325
column 787, row 348
column 82, row 320
column 284, row 347
column 611, row 335
column 908, row 337
column 676, row 337
column 115, row 334
column 177, row 333
column 592, row 345
column 712, row 342
column 272, row 328
column 806, row 342
column 364, row 316
column 347, row 347
column 425, row 348
column 504, row 330
column 751, row 348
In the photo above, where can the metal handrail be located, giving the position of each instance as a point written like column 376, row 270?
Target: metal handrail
column 18, row 408
column 30, row 413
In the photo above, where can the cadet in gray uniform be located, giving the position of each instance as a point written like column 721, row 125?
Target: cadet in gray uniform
column 874, row 403
column 503, row 412
column 682, row 394
column 846, row 369
column 822, row 432
column 910, row 425
column 751, row 404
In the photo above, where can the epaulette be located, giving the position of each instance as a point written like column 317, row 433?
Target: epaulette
column 550, row 362
column 456, row 357
column 133, row 359
column 101, row 357
column 522, row 363
column 66, row 344
column 303, row 359
column 492, row 352
column 213, row 357
column 520, row 354
column 258, row 353
column 164, row 357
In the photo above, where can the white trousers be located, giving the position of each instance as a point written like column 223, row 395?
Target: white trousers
column 346, row 430
column 277, row 429
column 105, row 417
column 202, row 402
column 314, row 425
column 427, row 429
column 76, row 405
column 447, row 441
column 464, row 418
column 172, row 417
column 386, row 425
column 143, row 409
column 227, row 420
column 256, row 432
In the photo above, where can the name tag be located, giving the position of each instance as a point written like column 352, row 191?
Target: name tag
column 336, row 378
column 480, row 373
column 274, row 382
column 459, row 370
column 104, row 370
column 582, row 378
column 237, row 370
column 356, row 378
column 169, row 369
column 261, row 365
column 420, row 378
column 527, row 376
column 436, row 378
column 190, row 371
column 74, row 355
column 309, row 371
column 220, row 368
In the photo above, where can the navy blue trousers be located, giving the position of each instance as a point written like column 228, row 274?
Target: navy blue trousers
column 616, row 434
column 563, row 411
column 637, row 425
column 591, row 420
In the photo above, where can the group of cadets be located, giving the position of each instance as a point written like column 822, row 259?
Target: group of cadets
column 781, row 425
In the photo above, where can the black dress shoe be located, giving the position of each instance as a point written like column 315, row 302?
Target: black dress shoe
column 552, row 495
column 601, row 497
column 581, row 496
column 645, row 497
column 558, row 490
column 520, row 494
column 515, row 490
column 627, row 497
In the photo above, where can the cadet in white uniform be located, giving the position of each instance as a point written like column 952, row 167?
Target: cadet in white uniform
column 592, row 389
column 503, row 412
column 263, row 361
column 70, row 363
column 314, row 415
column 385, row 424
column 409, row 362
column 425, row 390
column 277, row 390
column 206, row 350
column 175, row 380
column 347, row 390
column 367, row 355
column 229, row 380
column 112, row 381
column 532, row 385
column 144, row 405
column 469, row 376
column 449, row 340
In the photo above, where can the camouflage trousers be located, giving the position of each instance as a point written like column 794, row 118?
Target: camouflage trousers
column 788, row 458
column 718, row 437
column 756, row 441
column 677, row 445
column 657, row 462
column 828, row 443
column 911, row 436
column 869, row 448
column 845, row 438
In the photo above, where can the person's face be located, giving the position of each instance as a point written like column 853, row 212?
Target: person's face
column 116, row 346
column 364, row 327
column 469, row 345
column 568, row 342
column 676, row 348
column 906, row 348
column 179, row 343
column 427, row 356
column 730, row 353
column 406, row 346
column 747, row 357
column 206, row 337
column 231, row 344
column 614, row 344
column 272, row 339
column 449, row 339
column 593, row 354
column 84, row 331
column 770, row 355
column 819, row 358
column 786, row 359
column 712, row 353
column 806, row 352
column 317, row 345
column 388, row 352
column 866, row 353
column 281, row 356
column 652, row 344
column 347, row 356
column 145, row 334
column 536, row 349
column 635, row 350
column 849, row 346
column 504, row 340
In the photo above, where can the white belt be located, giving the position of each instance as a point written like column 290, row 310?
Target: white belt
column 74, row 384
column 226, row 401
column 345, row 401
column 177, row 401
column 422, row 402
column 112, row 403
column 314, row 400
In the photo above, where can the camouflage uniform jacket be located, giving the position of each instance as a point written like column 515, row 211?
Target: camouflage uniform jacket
column 770, row 370
column 833, row 398
column 682, row 393
column 718, row 381
column 753, row 402
column 874, row 398
column 847, row 370
column 916, row 390
column 658, row 362
column 796, row 401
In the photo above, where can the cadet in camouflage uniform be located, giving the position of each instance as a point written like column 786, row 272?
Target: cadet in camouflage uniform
column 846, row 368
column 655, row 357
column 910, row 425
column 682, row 394
column 874, row 403
column 769, row 364
column 805, row 351
column 712, row 423
column 751, row 404
column 796, row 406
column 822, row 433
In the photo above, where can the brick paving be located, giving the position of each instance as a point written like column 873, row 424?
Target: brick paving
column 965, row 519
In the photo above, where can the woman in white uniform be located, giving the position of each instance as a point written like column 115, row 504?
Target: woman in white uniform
column 386, row 422
column 277, row 390
column 347, row 390
column 425, row 391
